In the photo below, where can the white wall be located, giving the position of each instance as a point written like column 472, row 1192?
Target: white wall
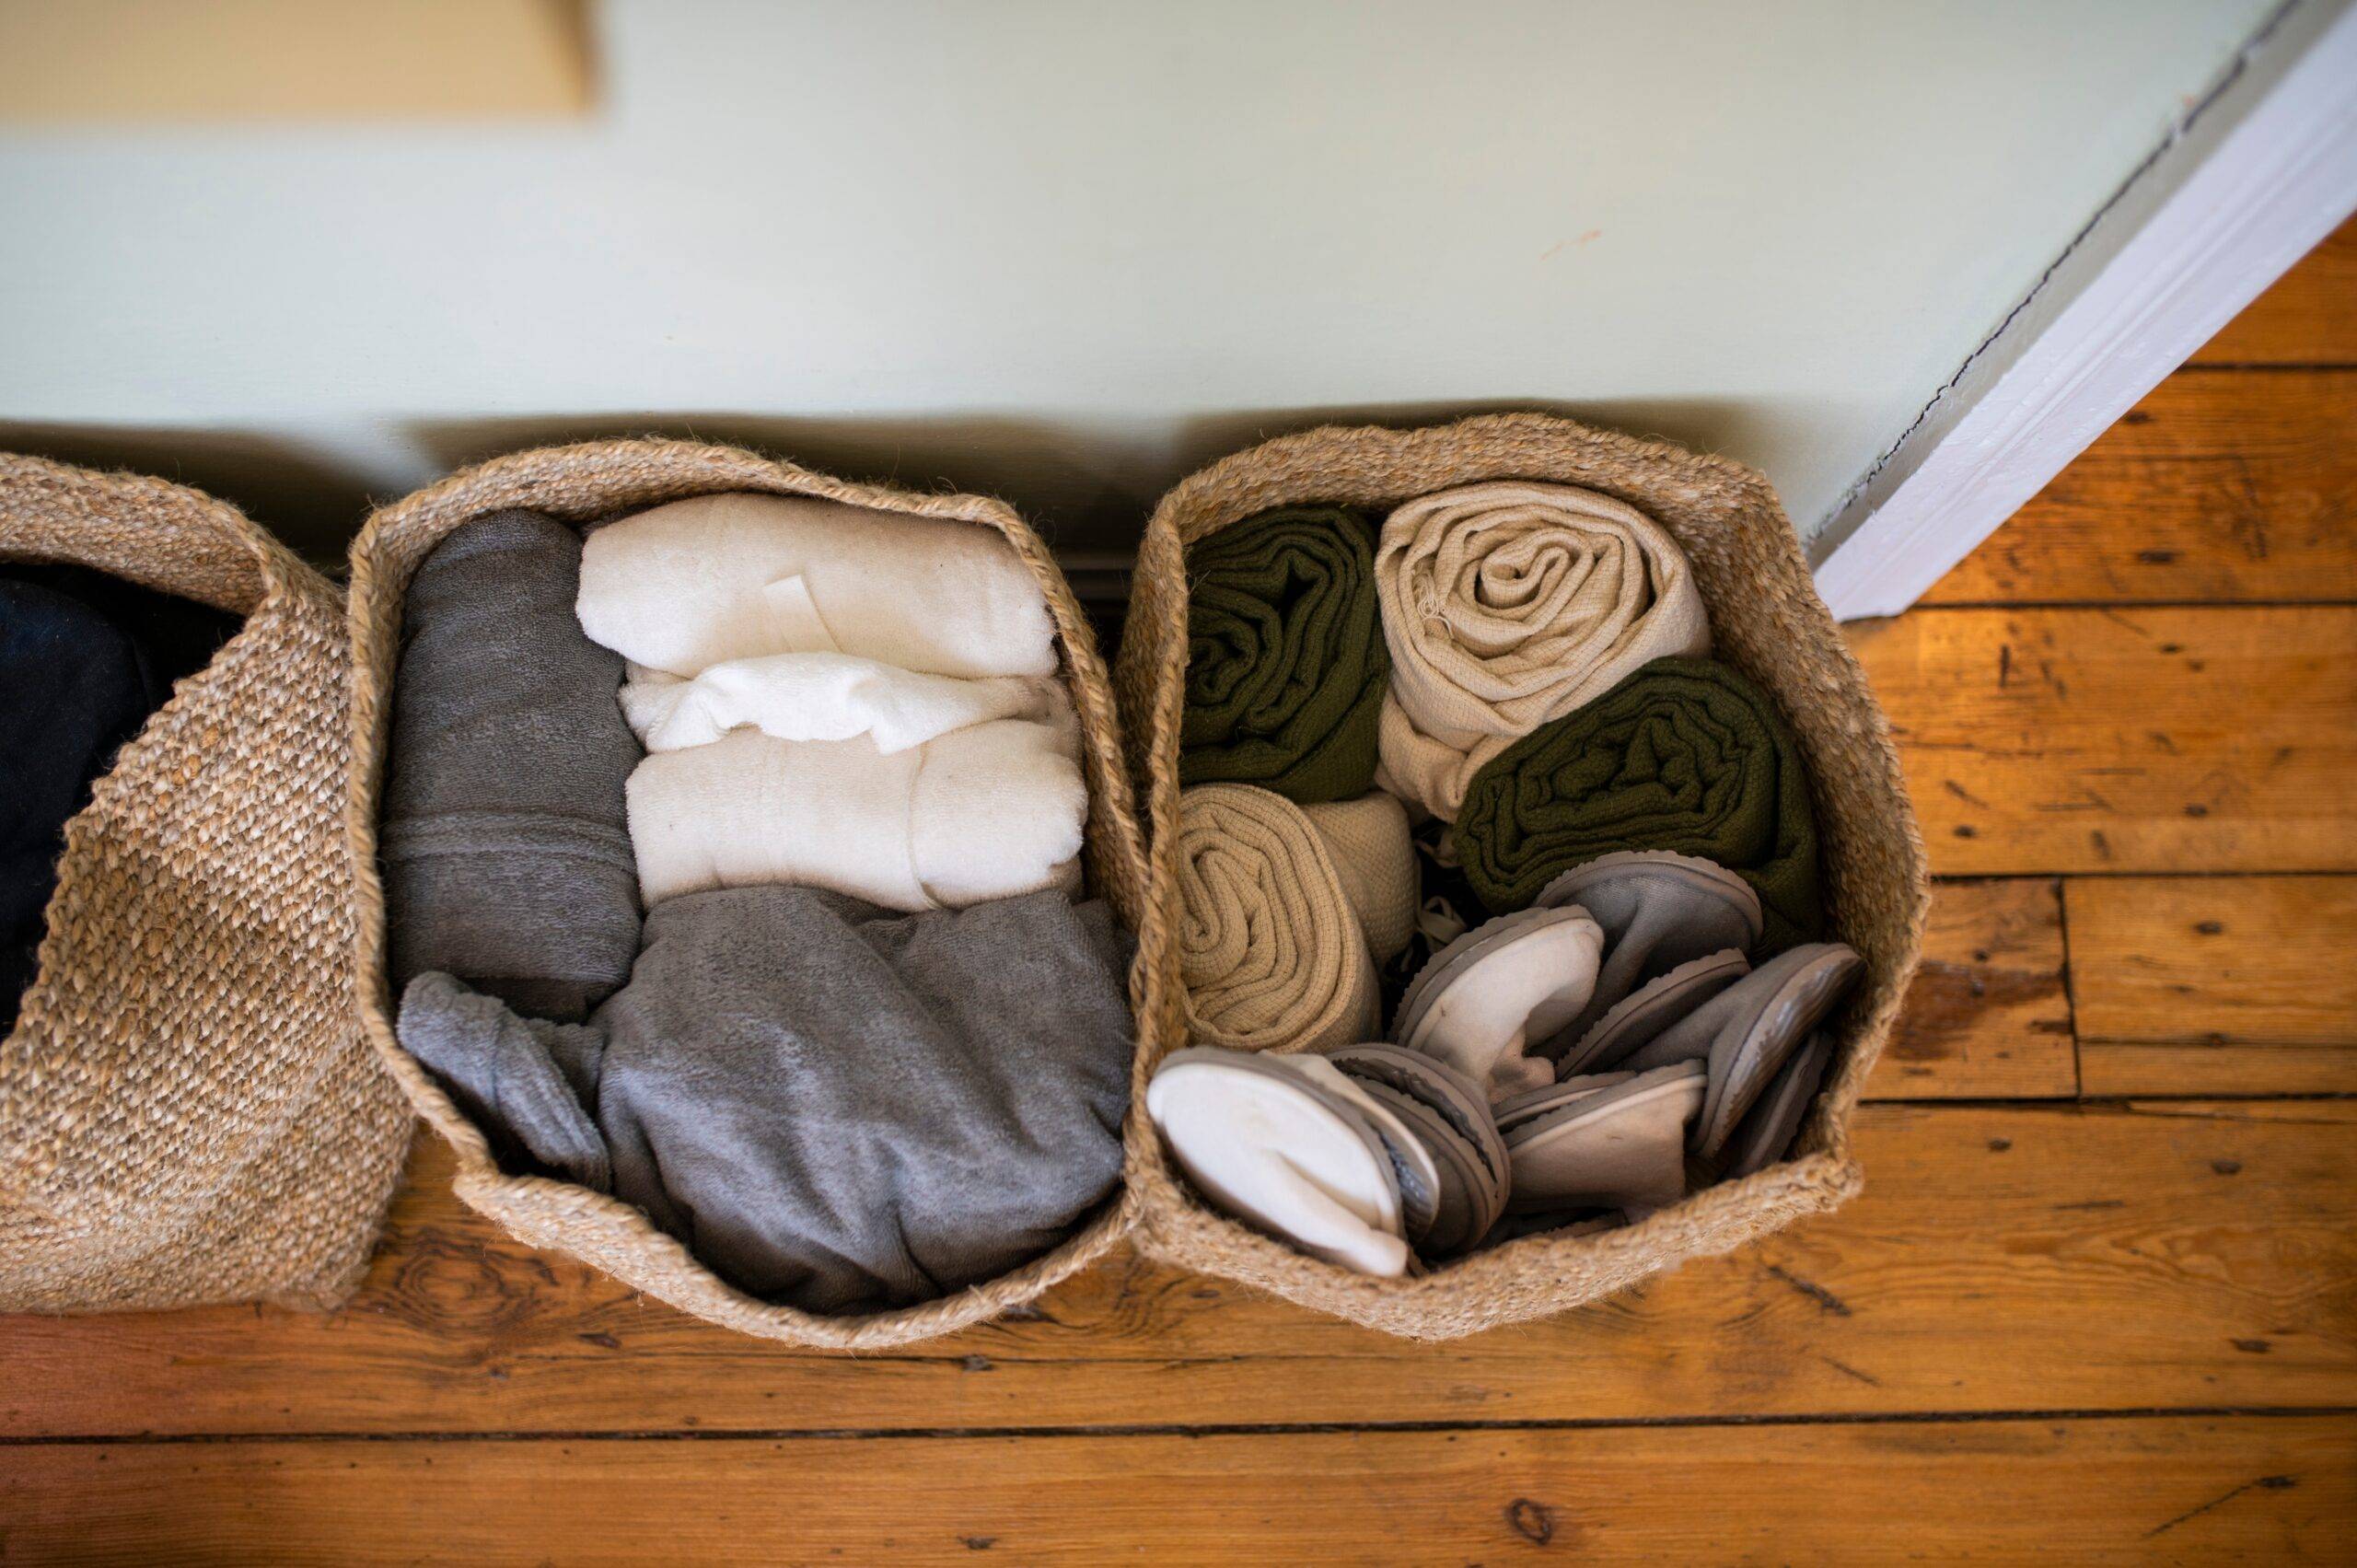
column 1066, row 249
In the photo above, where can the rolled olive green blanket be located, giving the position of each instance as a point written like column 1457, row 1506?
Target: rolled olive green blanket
column 1684, row 755
column 1286, row 665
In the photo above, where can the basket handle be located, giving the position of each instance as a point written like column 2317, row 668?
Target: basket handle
column 149, row 532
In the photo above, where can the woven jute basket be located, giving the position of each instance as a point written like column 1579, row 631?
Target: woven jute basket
column 189, row 1113
column 1766, row 618
column 602, row 479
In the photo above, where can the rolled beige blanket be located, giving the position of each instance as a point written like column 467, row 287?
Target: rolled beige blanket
column 1508, row 604
column 1271, row 951
column 1368, row 840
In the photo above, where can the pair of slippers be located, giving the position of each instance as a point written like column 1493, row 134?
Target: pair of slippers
column 1643, row 1037
column 1365, row 1156
column 1545, row 992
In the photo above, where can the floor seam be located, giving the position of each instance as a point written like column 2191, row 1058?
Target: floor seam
column 1212, row 1429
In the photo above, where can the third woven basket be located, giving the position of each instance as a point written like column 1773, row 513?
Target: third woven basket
column 601, row 479
column 1765, row 620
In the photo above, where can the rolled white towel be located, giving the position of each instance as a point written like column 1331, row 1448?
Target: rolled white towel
column 821, row 697
column 990, row 811
column 684, row 586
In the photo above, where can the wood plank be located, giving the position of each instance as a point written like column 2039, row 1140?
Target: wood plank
column 2068, row 1490
column 2001, row 1258
column 2216, row 487
column 2156, row 739
column 1988, row 1016
column 2216, row 984
column 2309, row 316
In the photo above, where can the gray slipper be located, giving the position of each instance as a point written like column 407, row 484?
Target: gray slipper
column 1622, row 1148
column 1643, row 1015
column 1658, row 910
column 1512, row 1113
column 1483, row 1003
column 1765, row 1135
column 1750, row 1031
column 1457, row 1128
column 1412, row 1164
column 1280, row 1151
column 1465, row 1199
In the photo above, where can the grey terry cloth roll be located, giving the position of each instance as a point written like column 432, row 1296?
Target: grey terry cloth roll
column 833, row 1107
column 507, row 842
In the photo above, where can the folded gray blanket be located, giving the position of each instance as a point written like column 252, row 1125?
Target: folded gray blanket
column 506, row 841
column 833, row 1107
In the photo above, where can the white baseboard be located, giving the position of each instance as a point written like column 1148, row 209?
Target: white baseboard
column 2264, row 170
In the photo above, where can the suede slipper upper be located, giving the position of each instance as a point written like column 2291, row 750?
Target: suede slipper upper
column 1619, row 1147
column 1657, row 909
column 1510, row 982
column 1643, row 1015
column 1272, row 1148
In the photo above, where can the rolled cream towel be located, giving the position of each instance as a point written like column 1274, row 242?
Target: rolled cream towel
column 684, row 586
column 1506, row 605
column 1270, row 949
column 1367, row 840
column 821, row 697
column 990, row 811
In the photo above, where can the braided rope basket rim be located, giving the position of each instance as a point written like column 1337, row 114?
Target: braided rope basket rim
column 1767, row 619
column 598, row 478
column 281, row 1199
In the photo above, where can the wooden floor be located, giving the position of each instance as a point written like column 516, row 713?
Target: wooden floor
column 2099, row 1301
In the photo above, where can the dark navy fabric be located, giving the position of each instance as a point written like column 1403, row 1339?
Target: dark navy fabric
column 84, row 659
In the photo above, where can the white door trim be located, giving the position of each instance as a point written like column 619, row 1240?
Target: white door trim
column 2259, row 173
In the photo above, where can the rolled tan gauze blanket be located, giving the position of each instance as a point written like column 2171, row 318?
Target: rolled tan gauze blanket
column 1270, row 949
column 684, row 586
column 1367, row 838
column 990, row 811
column 820, row 697
column 1508, row 604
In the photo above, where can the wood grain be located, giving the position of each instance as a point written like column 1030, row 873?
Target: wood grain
column 2217, row 984
column 2053, row 1258
column 2157, row 739
column 1988, row 1016
column 2070, row 1491
column 2308, row 317
column 2217, row 487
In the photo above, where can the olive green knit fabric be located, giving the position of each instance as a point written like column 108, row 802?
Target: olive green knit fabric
column 1286, row 666
column 1684, row 755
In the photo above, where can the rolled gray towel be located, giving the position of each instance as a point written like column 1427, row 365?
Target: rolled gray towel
column 505, row 838
column 834, row 1106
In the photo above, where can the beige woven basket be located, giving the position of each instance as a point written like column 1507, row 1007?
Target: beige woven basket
column 187, row 1111
column 1766, row 618
column 598, row 479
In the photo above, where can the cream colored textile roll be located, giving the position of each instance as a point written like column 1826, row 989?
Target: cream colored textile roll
column 1373, row 855
column 994, row 810
column 1270, row 953
column 695, row 583
column 1508, row 604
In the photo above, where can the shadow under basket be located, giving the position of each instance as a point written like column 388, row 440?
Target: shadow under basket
column 189, row 1113
column 598, row 479
column 1765, row 620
